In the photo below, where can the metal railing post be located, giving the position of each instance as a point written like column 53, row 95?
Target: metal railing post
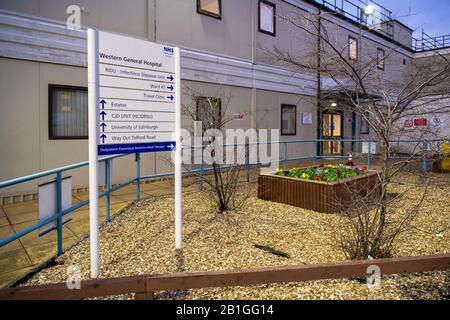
column 138, row 176
column 285, row 156
column 108, row 190
column 247, row 160
column 59, row 213
column 315, row 145
column 369, row 155
column 425, row 157
column 201, row 171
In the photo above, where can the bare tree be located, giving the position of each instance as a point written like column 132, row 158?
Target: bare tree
column 385, row 103
column 222, row 179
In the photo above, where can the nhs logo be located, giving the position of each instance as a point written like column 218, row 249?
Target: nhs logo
column 168, row 51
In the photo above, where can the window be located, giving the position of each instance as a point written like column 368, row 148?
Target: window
column 288, row 120
column 209, row 112
column 352, row 48
column 365, row 129
column 68, row 112
column 212, row 8
column 380, row 59
column 266, row 17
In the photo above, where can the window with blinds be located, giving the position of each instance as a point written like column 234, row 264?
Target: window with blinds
column 288, row 120
column 68, row 112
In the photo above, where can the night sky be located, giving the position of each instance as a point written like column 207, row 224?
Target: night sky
column 431, row 15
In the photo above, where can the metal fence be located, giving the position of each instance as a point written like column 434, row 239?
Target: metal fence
column 200, row 172
column 431, row 43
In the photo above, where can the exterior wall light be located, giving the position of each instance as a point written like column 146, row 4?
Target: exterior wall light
column 369, row 10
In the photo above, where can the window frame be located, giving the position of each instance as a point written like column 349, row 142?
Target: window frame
column 382, row 61
column 210, row 14
column 51, row 135
column 273, row 5
column 285, row 106
column 362, row 120
column 350, row 48
column 197, row 106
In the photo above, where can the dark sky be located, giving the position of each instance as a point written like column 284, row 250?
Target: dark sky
column 431, row 15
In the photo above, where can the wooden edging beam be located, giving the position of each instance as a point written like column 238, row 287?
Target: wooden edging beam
column 145, row 285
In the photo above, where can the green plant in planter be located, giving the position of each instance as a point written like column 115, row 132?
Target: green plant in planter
column 326, row 174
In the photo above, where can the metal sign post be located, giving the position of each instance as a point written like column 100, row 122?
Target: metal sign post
column 134, row 107
column 178, row 186
column 93, row 91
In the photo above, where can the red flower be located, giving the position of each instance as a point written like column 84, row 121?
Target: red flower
column 318, row 178
column 363, row 168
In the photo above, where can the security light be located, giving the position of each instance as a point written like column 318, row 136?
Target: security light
column 334, row 104
column 369, row 10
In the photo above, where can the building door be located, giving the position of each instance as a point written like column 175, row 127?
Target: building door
column 332, row 133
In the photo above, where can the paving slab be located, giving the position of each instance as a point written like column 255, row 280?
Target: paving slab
column 33, row 238
column 19, row 218
column 26, row 207
column 7, row 279
column 15, row 260
column 44, row 252
column 3, row 221
column 101, row 203
column 12, row 246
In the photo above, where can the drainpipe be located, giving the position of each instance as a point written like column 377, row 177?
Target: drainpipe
column 353, row 130
column 319, row 85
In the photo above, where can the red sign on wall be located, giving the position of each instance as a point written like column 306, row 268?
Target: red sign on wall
column 421, row 122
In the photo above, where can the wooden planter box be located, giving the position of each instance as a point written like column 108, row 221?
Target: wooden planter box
column 316, row 195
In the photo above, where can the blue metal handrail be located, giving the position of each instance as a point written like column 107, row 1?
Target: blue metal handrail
column 59, row 214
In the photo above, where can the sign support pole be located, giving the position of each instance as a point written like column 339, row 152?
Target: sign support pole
column 93, row 94
column 178, row 181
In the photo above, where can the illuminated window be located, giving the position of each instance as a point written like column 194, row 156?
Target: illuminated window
column 267, row 20
column 68, row 112
column 211, row 8
column 380, row 59
column 288, row 120
column 352, row 48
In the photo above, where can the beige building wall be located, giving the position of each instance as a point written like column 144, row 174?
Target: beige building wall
column 128, row 17
column 179, row 23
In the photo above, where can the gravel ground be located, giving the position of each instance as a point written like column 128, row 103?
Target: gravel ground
column 141, row 241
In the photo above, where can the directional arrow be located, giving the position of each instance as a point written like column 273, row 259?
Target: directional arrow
column 103, row 102
column 103, row 126
column 170, row 97
column 170, row 87
column 170, row 78
column 171, row 146
column 103, row 114
column 103, row 137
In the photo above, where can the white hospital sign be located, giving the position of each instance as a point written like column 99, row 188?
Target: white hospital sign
column 134, row 107
column 137, row 95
